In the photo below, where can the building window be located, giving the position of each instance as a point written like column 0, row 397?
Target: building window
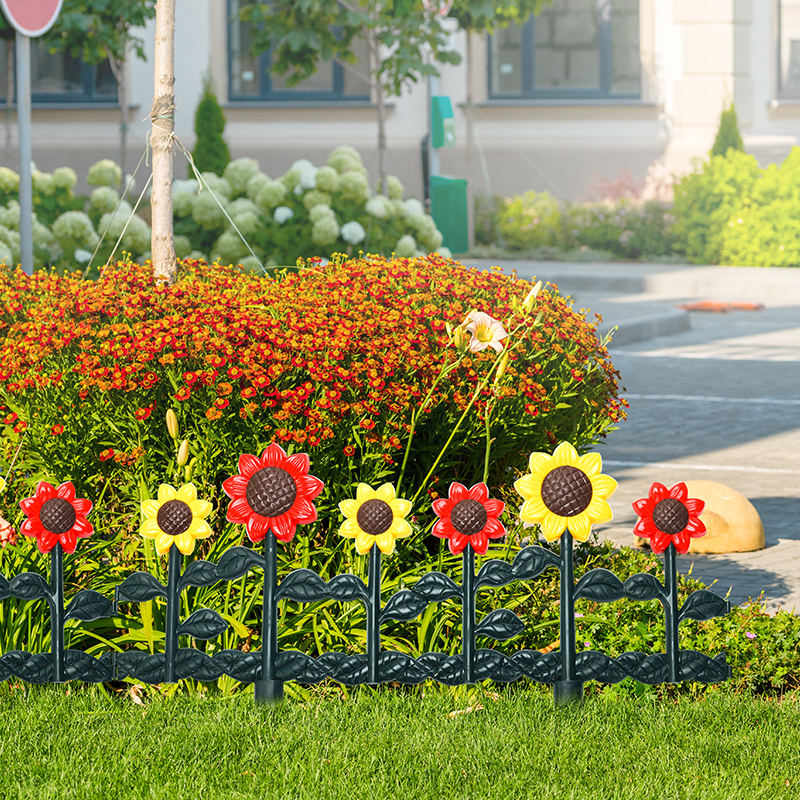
column 60, row 78
column 789, row 48
column 250, row 77
column 573, row 49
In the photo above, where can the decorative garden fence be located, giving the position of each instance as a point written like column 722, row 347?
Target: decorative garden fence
column 564, row 493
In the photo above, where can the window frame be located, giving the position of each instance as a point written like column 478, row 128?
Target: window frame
column 529, row 90
column 267, row 94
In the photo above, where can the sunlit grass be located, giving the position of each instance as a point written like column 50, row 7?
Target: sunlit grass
column 397, row 745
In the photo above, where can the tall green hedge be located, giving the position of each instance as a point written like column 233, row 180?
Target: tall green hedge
column 210, row 153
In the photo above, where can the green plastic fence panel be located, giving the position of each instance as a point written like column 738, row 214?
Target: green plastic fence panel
column 443, row 129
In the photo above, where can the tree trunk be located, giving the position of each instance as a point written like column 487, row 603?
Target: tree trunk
column 162, row 115
column 9, row 96
column 470, row 147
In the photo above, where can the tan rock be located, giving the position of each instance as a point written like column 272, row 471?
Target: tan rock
column 732, row 522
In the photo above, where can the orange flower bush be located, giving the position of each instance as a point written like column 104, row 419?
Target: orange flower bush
column 328, row 359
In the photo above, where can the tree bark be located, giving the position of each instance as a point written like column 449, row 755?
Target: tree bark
column 162, row 115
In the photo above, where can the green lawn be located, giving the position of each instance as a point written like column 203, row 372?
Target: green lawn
column 394, row 745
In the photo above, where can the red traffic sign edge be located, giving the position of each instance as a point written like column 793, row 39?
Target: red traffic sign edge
column 24, row 8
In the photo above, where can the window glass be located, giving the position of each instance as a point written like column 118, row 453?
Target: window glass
column 625, row 61
column 567, row 46
column 789, row 48
column 507, row 60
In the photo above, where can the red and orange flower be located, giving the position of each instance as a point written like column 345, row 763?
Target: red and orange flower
column 273, row 492
column 669, row 516
column 56, row 516
column 468, row 517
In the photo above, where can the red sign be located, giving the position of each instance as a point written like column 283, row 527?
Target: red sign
column 31, row 17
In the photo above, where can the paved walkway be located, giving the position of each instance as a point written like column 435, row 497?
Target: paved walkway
column 712, row 395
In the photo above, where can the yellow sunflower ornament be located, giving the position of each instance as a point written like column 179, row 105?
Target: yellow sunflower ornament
column 177, row 517
column 376, row 516
column 565, row 490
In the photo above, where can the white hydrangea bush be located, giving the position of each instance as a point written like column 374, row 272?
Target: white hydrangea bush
column 243, row 216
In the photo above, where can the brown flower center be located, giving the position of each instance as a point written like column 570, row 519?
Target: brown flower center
column 271, row 492
column 468, row 517
column 57, row 515
column 174, row 517
column 375, row 517
column 566, row 491
column 670, row 516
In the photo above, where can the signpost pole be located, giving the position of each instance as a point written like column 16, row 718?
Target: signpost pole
column 24, row 139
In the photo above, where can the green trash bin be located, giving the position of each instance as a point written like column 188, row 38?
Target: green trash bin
column 449, row 211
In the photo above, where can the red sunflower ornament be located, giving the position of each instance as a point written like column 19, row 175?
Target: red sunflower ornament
column 669, row 516
column 468, row 517
column 272, row 492
column 56, row 516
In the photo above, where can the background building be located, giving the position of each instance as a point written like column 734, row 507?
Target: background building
column 586, row 91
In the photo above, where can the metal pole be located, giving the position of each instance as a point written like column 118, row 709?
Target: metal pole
column 267, row 688
column 374, row 615
column 173, row 615
column 569, row 688
column 24, row 136
column 57, row 612
column 468, row 614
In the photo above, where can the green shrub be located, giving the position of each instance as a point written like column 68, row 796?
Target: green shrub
column 210, row 152
column 625, row 228
column 765, row 230
column 728, row 135
column 706, row 200
column 530, row 220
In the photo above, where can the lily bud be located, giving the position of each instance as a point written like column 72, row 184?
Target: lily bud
column 172, row 424
column 501, row 367
column 449, row 329
column 458, row 338
column 188, row 469
column 183, row 452
column 527, row 304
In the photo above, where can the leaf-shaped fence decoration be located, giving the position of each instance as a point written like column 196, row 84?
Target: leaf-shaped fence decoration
column 139, row 588
column 450, row 671
column 290, row 664
column 599, row 585
column 392, row 665
column 203, row 624
column 347, row 587
column 643, row 587
column 494, row 573
column 696, row 666
column 702, row 605
column 649, row 669
column 302, row 585
column 237, row 561
column 89, row 605
column 37, row 669
column 404, row 605
column 532, row 561
column 30, row 586
column 436, row 586
column 198, row 573
column 5, row 589
column 500, row 624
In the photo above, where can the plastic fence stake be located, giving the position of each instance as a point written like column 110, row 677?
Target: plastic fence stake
column 671, row 612
column 267, row 688
column 173, row 615
column 57, row 612
column 569, row 688
column 468, row 614
column 374, row 614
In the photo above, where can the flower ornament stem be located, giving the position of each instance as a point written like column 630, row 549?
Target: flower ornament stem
column 374, row 614
column 267, row 688
column 57, row 612
column 173, row 614
column 569, row 688
column 672, row 644
column 468, row 613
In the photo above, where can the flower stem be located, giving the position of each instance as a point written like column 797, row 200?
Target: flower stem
column 468, row 614
column 374, row 611
column 173, row 615
column 57, row 612
column 267, row 688
column 671, row 613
